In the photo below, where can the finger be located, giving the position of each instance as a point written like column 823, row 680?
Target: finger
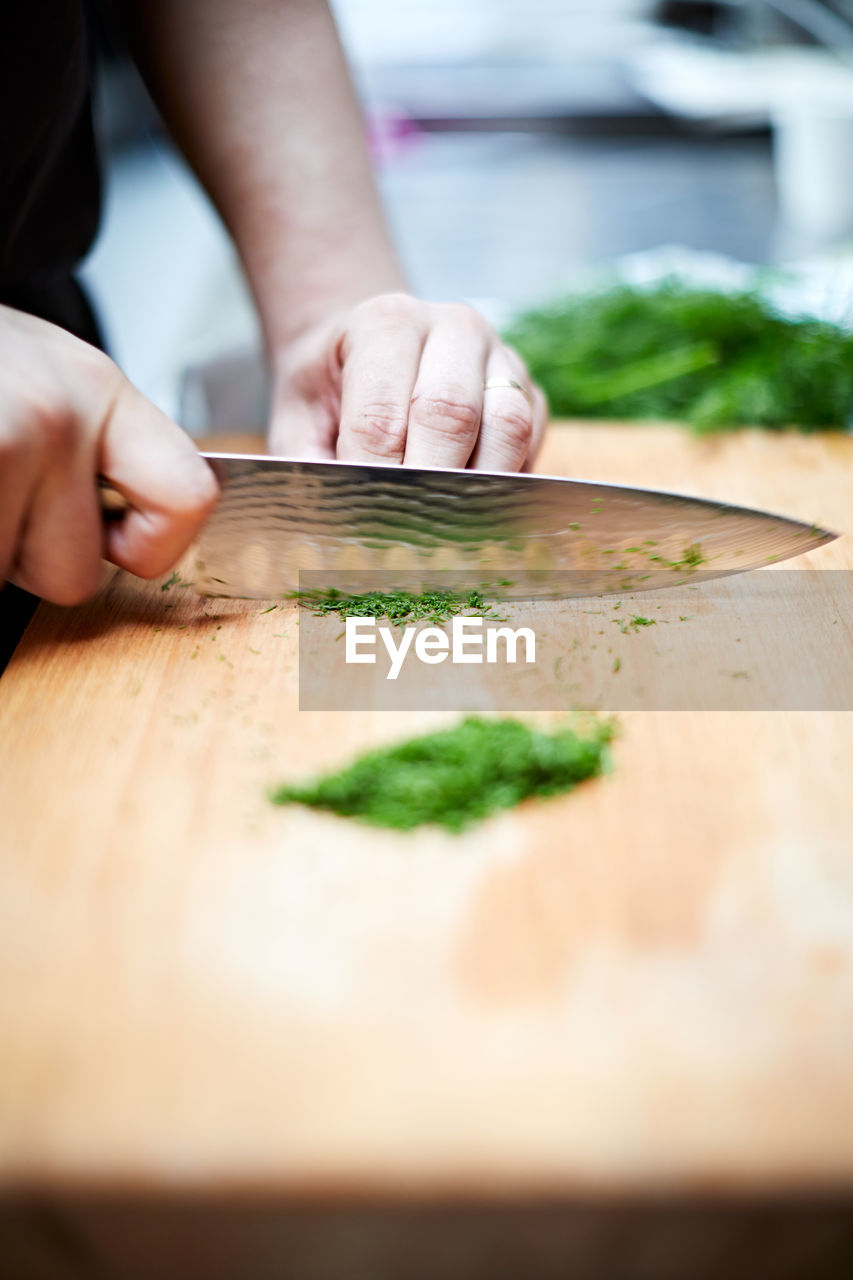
column 170, row 488
column 507, row 428
column 62, row 542
column 380, row 353
column 18, row 471
column 447, row 401
column 302, row 430
column 540, row 424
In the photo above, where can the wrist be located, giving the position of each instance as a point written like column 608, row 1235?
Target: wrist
column 308, row 275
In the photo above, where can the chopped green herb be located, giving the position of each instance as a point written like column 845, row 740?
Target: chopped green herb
column 457, row 777
column 691, row 558
column 617, row 664
column 170, row 581
column 270, row 609
column 399, row 607
column 633, row 624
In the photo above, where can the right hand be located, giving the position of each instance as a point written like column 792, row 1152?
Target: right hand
column 67, row 416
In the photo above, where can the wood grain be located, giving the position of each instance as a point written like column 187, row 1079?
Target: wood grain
column 646, row 985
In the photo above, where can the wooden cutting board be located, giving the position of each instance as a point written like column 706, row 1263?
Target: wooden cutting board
column 645, row 985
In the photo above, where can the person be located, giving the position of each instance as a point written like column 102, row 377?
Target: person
column 258, row 97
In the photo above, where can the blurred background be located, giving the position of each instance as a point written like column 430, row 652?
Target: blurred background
column 522, row 147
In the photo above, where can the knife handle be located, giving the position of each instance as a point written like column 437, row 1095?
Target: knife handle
column 114, row 505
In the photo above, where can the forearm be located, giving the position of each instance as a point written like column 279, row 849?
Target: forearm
column 258, row 96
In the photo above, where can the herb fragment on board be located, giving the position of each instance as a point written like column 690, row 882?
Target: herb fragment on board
column 170, row 581
column 399, row 607
column 457, row 777
column 633, row 624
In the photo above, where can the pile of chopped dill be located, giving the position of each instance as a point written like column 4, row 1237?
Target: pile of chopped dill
column 714, row 359
column 459, row 776
column 400, row 607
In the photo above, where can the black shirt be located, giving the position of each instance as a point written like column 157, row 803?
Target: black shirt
column 49, row 182
column 49, row 187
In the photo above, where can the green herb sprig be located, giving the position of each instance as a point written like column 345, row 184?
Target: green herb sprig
column 714, row 359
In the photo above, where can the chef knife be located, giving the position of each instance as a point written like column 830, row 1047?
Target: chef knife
column 512, row 536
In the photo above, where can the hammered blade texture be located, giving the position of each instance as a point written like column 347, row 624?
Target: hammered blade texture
column 513, row 536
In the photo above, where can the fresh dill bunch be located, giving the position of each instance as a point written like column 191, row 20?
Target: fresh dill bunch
column 716, row 360
column 459, row 776
column 399, row 607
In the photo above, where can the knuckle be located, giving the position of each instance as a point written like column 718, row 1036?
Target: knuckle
column 85, row 379
column 388, row 307
column 104, row 379
column 453, row 413
column 54, row 424
column 463, row 315
column 396, row 304
column 515, row 425
column 381, row 427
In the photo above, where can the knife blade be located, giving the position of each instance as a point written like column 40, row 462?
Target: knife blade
column 513, row 536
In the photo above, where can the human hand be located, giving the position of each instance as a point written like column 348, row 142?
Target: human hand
column 67, row 416
column 396, row 380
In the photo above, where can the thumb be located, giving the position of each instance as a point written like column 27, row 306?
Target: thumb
column 170, row 489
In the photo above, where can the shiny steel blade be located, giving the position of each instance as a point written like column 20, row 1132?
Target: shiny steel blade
column 514, row 536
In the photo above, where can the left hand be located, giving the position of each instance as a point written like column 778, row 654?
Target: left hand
column 396, row 380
